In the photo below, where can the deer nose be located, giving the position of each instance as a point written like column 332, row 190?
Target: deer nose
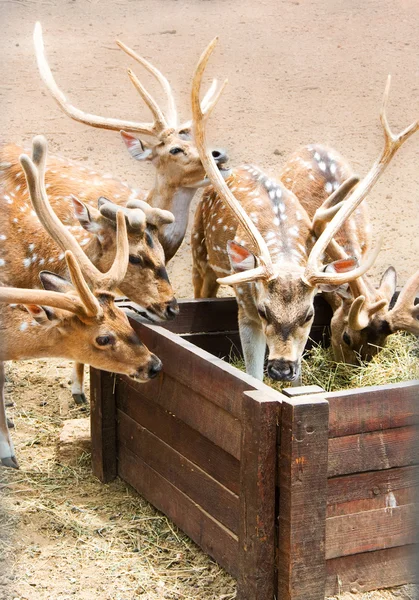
column 283, row 370
column 172, row 309
column 155, row 366
column 219, row 155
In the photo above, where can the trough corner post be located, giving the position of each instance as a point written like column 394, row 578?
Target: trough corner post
column 103, row 424
column 303, row 455
column 256, row 569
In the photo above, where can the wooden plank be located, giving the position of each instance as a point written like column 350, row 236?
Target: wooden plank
column 198, row 412
column 373, row 408
column 372, row 570
column 102, row 423
column 256, row 580
column 392, row 498
column 302, row 390
column 204, row 530
column 371, row 530
column 373, row 451
column 302, row 498
column 186, row 440
column 214, row 498
column 198, row 370
column 371, row 484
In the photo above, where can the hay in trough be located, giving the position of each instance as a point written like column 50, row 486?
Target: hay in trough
column 397, row 361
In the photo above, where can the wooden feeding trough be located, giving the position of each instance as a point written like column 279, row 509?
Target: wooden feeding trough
column 297, row 495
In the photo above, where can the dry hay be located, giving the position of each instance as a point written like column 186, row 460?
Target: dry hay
column 398, row 361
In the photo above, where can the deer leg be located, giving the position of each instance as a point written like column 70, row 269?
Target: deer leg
column 77, row 379
column 7, row 453
column 253, row 345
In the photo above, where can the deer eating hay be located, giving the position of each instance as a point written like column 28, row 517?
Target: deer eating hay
column 263, row 235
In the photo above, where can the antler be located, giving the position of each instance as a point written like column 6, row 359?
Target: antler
column 171, row 111
column 35, row 177
column 155, row 128
column 314, row 272
column 86, row 304
column 154, row 216
column 405, row 314
column 265, row 270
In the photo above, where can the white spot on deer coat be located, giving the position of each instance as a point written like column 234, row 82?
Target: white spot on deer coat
column 2, row 262
column 328, row 187
column 31, row 247
column 2, row 237
column 26, row 262
column 322, row 166
column 23, row 326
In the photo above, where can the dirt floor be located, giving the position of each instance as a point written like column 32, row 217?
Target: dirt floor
column 299, row 72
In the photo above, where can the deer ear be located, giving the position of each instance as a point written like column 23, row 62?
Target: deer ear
column 54, row 283
column 138, row 149
column 241, row 259
column 86, row 216
column 44, row 315
column 388, row 283
column 343, row 265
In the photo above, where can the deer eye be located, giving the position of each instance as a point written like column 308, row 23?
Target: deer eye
column 135, row 260
column 175, row 150
column 309, row 316
column 105, row 340
column 262, row 312
column 346, row 339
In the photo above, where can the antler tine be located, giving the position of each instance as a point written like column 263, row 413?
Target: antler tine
column 171, row 105
column 72, row 111
column 10, row 295
column 160, row 123
column 217, row 180
column 91, row 304
column 405, row 314
column 391, row 145
column 208, row 99
column 116, row 273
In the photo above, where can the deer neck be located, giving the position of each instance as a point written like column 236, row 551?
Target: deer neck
column 177, row 200
column 23, row 338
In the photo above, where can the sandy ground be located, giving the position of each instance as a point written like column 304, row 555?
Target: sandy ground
column 299, row 71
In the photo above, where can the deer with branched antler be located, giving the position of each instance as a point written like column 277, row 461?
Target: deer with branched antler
column 362, row 319
column 77, row 320
column 179, row 171
column 257, row 229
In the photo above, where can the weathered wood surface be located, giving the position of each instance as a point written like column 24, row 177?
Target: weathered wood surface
column 179, row 435
column 373, row 408
column 198, row 370
column 215, row 539
column 186, row 476
column 103, row 425
column 198, row 412
column 302, row 498
column 374, row 489
column 373, row 451
column 372, row 570
column 260, row 419
column 371, row 530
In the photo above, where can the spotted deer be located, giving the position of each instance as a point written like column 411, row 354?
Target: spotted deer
column 362, row 317
column 77, row 320
column 26, row 248
column 252, row 233
column 179, row 171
